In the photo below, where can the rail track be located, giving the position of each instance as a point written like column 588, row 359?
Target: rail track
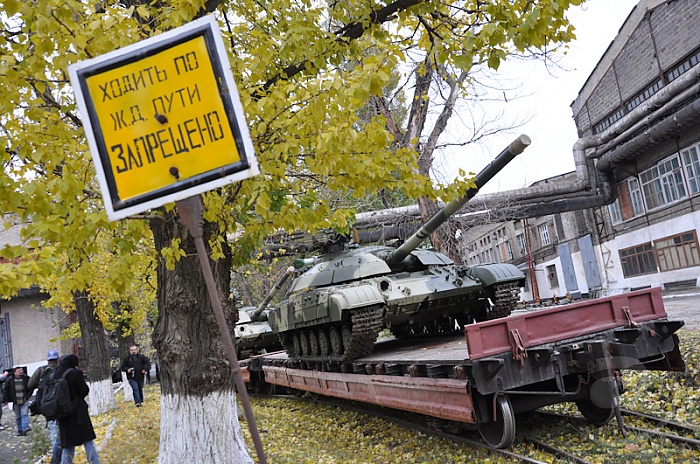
column 525, row 446
column 684, row 436
column 461, row 434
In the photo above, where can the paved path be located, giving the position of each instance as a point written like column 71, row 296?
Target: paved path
column 685, row 307
column 13, row 449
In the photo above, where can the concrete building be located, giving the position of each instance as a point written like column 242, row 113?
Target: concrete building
column 628, row 217
column 645, row 91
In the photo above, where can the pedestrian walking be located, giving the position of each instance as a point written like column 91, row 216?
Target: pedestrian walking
column 136, row 367
column 17, row 392
column 76, row 428
column 39, row 379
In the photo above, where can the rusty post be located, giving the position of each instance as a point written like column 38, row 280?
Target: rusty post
column 191, row 213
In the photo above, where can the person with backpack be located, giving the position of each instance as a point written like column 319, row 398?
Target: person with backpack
column 136, row 366
column 75, row 428
column 39, row 379
column 17, row 392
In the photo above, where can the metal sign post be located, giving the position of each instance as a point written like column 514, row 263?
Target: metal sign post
column 190, row 211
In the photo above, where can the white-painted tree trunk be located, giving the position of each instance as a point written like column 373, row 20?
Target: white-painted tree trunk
column 128, row 391
column 201, row 429
column 101, row 397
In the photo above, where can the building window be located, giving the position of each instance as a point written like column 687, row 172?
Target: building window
column 544, row 234
column 692, row 169
column 509, row 250
column 678, row 251
column 521, row 243
column 643, row 95
column 552, row 276
column 609, row 121
column 663, row 184
column 674, row 73
column 615, row 214
column 635, row 196
column 638, row 260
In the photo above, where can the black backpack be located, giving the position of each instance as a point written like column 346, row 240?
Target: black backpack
column 55, row 398
column 46, row 377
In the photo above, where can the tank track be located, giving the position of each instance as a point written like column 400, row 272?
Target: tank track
column 367, row 322
column 505, row 300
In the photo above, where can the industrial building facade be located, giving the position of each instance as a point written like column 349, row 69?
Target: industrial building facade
column 638, row 119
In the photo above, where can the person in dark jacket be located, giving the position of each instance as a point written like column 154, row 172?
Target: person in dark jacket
column 136, row 366
column 76, row 428
column 17, row 392
column 35, row 382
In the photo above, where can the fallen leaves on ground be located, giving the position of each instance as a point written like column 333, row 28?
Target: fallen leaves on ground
column 298, row 433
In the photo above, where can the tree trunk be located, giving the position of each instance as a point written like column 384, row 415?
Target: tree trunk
column 198, row 403
column 95, row 359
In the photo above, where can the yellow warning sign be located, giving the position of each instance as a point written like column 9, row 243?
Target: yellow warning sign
column 162, row 119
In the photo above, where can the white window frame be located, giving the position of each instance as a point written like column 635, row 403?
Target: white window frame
column 615, row 212
column 543, row 229
column 636, row 197
column 522, row 244
column 691, row 161
column 663, row 184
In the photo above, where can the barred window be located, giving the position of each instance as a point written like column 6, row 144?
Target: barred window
column 678, row 251
column 663, row 184
column 635, row 196
column 692, row 169
column 638, row 260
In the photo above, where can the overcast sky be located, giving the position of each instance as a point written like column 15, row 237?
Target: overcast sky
column 547, row 100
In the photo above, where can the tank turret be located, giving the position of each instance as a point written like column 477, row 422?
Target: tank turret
column 253, row 332
column 334, row 311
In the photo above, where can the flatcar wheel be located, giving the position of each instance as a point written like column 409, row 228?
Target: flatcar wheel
column 346, row 334
column 313, row 343
column 500, row 432
column 304, row 340
column 597, row 415
column 336, row 341
column 324, row 344
column 296, row 345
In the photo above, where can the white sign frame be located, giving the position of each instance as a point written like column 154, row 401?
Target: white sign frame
column 180, row 189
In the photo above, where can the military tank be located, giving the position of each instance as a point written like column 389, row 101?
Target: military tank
column 252, row 331
column 335, row 310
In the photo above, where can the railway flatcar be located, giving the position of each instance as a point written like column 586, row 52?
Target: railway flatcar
column 499, row 368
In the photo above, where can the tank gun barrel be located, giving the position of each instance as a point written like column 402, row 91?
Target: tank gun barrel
column 506, row 156
column 273, row 291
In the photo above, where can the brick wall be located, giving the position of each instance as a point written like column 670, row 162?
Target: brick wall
column 669, row 30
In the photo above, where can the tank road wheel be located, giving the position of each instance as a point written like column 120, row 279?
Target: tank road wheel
column 304, row 340
column 324, row 344
column 313, row 343
column 336, row 341
column 346, row 334
column 296, row 345
column 500, row 432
